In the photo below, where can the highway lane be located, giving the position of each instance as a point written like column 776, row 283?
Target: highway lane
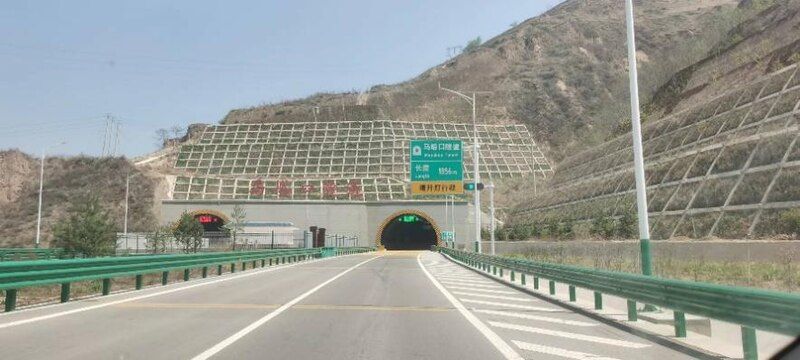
column 395, row 305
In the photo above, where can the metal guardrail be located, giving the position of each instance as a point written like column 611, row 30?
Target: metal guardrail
column 17, row 254
column 15, row 275
column 751, row 308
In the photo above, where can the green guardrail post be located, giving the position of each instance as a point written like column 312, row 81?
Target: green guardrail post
column 185, row 274
column 11, row 299
column 139, row 282
column 106, row 286
column 535, row 283
column 205, row 272
column 749, row 344
column 632, row 314
column 65, row 292
column 164, row 277
column 552, row 287
column 255, row 264
column 680, row 324
column 270, row 261
column 512, row 275
column 233, row 268
column 263, row 262
column 219, row 269
column 501, row 272
column 494, row 270
column 244, row 265
column 522, row 279
column 572, row 295
column 598, row 301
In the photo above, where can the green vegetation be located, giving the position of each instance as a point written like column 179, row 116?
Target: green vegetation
column 87, row 230
column 472, row 45
column 188, row 233
column 158, row 239
column 783, row 274
column 790, row 222
column 235, row 226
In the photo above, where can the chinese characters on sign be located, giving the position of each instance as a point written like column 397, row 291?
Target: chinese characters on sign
column 437, row 167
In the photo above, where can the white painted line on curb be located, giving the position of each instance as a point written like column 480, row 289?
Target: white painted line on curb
column 549, row 350
column 535, row 317
column 569, row 335
column 145, row 296
column 513, row 306
column 249, row 328
column 498, row 297
column 505, row 349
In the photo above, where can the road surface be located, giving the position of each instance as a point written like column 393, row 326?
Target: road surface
column 394, row 305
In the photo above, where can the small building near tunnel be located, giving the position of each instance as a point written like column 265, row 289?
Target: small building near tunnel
column 399, row 224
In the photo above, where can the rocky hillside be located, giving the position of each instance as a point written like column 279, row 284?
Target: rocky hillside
column 561, row 73
column 67, row 180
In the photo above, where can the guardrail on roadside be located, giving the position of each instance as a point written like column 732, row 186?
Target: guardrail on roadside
column 748, row 307
column 15, row 275
column 18, row 254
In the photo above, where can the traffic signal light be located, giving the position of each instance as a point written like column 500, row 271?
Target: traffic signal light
column 470, row 186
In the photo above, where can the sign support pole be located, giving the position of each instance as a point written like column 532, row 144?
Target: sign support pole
column 638, row 157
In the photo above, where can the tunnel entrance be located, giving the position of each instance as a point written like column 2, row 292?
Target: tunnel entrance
column 211, row 223
column 408, row 232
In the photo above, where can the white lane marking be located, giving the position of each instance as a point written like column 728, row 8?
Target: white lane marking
column 476, row 283
column 464, row 279
column 569, row 335
column 534, row 317
column 482, row 290
column 506, row 305
column 549, row 350
column 505, row 349
column 140, row 297
column 249, row 328
column 456, row 283
column 498, row 297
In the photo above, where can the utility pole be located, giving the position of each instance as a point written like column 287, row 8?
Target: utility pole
column 127, row 191
column 41, row 189
column 491, row 215
column 638, row 157
column 476, row 175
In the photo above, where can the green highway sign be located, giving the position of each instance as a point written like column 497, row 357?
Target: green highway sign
column 437, row 166
column 437, row 171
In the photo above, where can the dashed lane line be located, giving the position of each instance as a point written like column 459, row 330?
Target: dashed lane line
column 569, row 335
column 250, row 328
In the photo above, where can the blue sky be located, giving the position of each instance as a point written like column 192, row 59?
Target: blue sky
column 64, row 65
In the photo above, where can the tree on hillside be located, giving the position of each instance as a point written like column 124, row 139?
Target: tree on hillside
column 158, row 239
column 235, row 226
column 87, row 230
column 472, row 45
column 188, row 233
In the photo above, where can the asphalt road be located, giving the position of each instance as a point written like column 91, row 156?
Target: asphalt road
column 397, row 305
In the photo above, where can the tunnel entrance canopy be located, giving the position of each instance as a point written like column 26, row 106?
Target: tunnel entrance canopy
column 408, row 232
column 210, row 222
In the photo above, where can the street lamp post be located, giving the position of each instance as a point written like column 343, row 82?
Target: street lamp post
column 41, row 188
column 638, row 158
column 476, row 176
column 491, row 215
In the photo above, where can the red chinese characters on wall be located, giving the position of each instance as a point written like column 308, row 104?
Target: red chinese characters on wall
column 283, row 189
column 329, row 189
column 257, row 187
column 354, row 189
column 307, row 188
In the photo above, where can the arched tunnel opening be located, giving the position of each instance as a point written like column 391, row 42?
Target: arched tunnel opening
column 211, row 223
column 408, row 232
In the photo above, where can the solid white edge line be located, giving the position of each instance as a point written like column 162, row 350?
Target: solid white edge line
column 249, row 328
column 145, row 296
column 503, row 347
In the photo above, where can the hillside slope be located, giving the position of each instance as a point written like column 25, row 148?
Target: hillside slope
column 67, row 180
column 561, row 73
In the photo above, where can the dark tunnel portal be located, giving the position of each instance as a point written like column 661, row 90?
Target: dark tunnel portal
column 408, row 232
